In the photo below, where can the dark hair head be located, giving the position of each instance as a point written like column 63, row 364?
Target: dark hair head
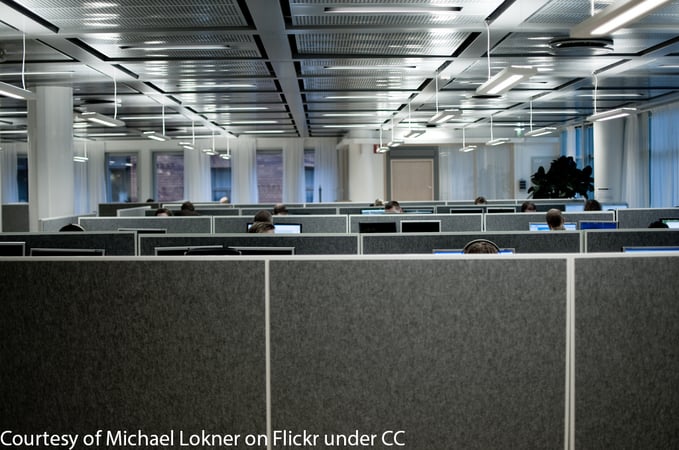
column 592, row 205
column 392, row 206
column 658, row 224
column 72, row 227
column 279, row 208
column 163, row 211
column 480, row 200
column 263, row 216
column 481, row 246
column 188, row 206
column 528, row 206
column 261, row 227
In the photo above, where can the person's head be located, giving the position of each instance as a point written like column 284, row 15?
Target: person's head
column 224, row 200
column 187, row 206
column 392, row 207
column 480, row 200
column 378, row 202
column 592, row 205
column 163, row 212
column 658, row 224
column 528, row 207
column 261, row 227
column 263, row 216
column 72, row 227
column 481, row 246
column 554, row 219
column 279, row 209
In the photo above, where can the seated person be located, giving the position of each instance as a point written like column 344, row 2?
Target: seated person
column 187, row 209
column 163, row 212
column 72, row 227
column 263, row 216
column 592, row 205
column 279, row 209
column 555, row 219
column 481, row 246
column 528, row 207
column 392, row 207
column 658, row 224
column 480, row 200
column 262, row 227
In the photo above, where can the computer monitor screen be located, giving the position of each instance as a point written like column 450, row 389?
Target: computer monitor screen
column 12, row 248
column 613, row 206
column 652, row 249
column 181, row 250
column 465, row 210
column 575, row 207
column 418, row 210
column 671, row 223
column 285, row 228
column 420, row 226
column 67, row 252
column 598, row 225
column 207, row 251
column 145, row 230
column 503, row 209
column 265, row 250
column 377, row 227
column 372, row 211
column 542, row 226
column 459, row 251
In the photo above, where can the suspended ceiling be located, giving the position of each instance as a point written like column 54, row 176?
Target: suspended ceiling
column 291, row 68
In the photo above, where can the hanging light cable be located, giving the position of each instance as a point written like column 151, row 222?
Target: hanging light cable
column 540, row 131
column 466, row 148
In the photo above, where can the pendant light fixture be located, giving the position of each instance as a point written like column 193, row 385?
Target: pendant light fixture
column 492, row 141
column 445, row 115
column 412, row 133
column 394, row 142
column 158, row 136
column 607, row 115
column 382, row 148
column 19, row 93
column 540, row 131
column 466, row 148
column 226, row 155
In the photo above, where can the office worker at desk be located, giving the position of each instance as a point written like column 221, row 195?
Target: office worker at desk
column 555, row 219
column 392, row 207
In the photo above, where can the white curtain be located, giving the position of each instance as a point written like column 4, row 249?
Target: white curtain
column 8, row 172
column 81, row 202
column 326, row 169
column 456, row 172
column 97, row 174
column 244, row 171
column 664, row 157
column 293, row 171
column 197, row 177
column 634, row 187
column 494, row 171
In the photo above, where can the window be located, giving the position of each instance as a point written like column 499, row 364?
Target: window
column 22, row 178
column 168, row 176
column 122, row 180
column 220, row 171
column 309, row 166
column 270, row 176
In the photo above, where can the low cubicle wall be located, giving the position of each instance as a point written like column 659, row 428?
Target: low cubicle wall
column 431, row 352
column 113, row 243
column 304, row 244
column 521, row 221
column 520, row 241
column 188, row 224
column 449, row 222
column 597, row 241
column 310, row 224
column 642, row 218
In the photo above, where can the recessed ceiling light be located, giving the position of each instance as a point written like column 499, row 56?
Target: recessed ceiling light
column 392, row 10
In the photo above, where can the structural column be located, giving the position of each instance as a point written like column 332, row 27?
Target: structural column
column 50, row 154
column 608, row 145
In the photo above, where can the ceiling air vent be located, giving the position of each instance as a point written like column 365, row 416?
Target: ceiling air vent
column 581, row 46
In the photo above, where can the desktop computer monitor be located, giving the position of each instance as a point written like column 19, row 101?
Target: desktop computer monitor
column 671, row 222
column 459, row 251
column 67, row 252
column 542, row 226
column 284, row 228
column 13, row 248
column 377, row 227
column 651, row 249
column 598, row 225
column 420, row 226
column 180, row 250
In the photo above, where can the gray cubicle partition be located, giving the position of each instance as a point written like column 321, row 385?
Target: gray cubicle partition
column 597, row 241
column 626, row 360
column 641, row 218
column 132, row 346
column 521, row 221
column 111, row 209
column 211, row 211
column 310, row 224
column 15, row 217
column 520, row 241
column 55, row 223
column 439, row 352
column 185, row 224
column 118, row 243
column 304, row 244
column 449, row 222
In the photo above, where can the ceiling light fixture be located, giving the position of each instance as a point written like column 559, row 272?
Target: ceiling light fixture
column 466, row 148
column 412, row 133
column 394, row 142
column 149, row 48
column 445, row 115
column 83, row 158
column 492, row 141
column 614, row 17
column 504, row 80
column 392, row 10
column 382, row 148
column 101, row 119
column 161, row 137
column 18, row 93
column 607, row 115
column 226, row 155
column 540, row 131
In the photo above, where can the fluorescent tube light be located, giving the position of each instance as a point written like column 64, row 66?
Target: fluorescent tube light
column 166, row 47
column 395, row 143
column 615, row 16
column 8, row 90
column 393, row 10
column 156, row 136
column 225, row 155
column 444, row 116
column 612, row 114
column 540, row 131
column 504, row 80
column 80, row 158
column 383, row 149
column 468, row 148
column 414, row 133
column 101, row 119
column 497, row 141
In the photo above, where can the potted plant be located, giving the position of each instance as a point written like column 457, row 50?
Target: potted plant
column 562, row 180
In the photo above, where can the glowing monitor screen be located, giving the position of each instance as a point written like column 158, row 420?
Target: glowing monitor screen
column 542, row 226
column 459, row 251
column 671, row 223
column 598, row 225
column 653, row 249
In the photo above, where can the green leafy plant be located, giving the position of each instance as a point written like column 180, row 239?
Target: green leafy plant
column 562, row 180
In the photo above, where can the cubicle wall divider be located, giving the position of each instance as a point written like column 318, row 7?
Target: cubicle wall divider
column 310, row 223
column 642, row 218
column 458, row 352
column 521, row 221
column 113, row 243
column 449, row 222
column 597, row 241
column 188, row 224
